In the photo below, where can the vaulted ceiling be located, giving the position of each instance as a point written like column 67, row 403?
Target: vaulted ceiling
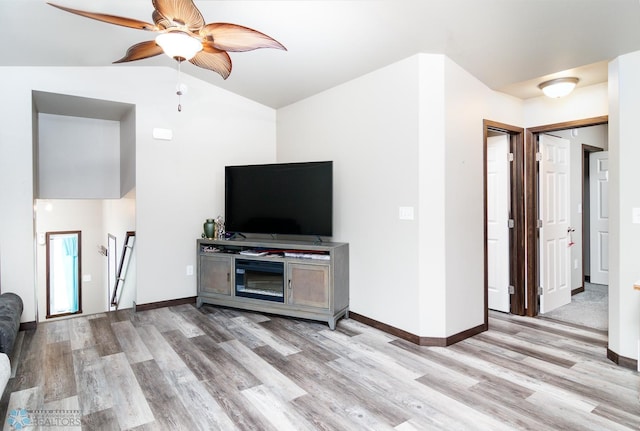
column 510, row 45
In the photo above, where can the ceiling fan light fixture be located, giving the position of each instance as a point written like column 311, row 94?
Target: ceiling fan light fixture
column 179, row 45
column 558, row 87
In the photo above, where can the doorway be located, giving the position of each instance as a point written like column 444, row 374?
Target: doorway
column 588, row 303
column 94, row 218
column 535, row 254
column 504, row 223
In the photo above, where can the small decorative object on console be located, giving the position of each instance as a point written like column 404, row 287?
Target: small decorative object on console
column 209, row 229
column 219, row 228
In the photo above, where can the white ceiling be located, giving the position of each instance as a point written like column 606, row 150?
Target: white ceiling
column 510, row 45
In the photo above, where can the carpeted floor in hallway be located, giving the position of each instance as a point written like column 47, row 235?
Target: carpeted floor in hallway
column 589, row 308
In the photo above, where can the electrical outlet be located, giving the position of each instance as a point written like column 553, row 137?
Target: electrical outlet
column 189, row 269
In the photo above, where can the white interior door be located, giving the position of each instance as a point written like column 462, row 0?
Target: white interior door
column 599, row 216
column 555, row 270
column 498, row 222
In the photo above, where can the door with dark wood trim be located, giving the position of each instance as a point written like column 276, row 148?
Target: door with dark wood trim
column 531, row 203
column 516, row 222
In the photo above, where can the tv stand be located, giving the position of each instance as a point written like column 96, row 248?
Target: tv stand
column 292, row 278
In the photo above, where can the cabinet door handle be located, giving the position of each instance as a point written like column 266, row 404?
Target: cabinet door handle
column 289, row 284
column 228, row 277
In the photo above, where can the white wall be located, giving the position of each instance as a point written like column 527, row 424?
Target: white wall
column 465, row 107
column 368, row 127
column 17, row 244
column 79, row 158
column 179, row 183
column 624, row 177
column 409, row 134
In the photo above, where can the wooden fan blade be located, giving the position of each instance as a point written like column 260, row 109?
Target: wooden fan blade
column 180, row 12
column 213, row 59
column 111, row 19
column 141, row 51
column 161, row 21
column 237, row 38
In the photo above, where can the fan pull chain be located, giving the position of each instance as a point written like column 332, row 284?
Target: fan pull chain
column 179, row 88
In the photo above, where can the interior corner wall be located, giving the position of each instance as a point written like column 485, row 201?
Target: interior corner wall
column 453, row 105
column 398, row 138
column 624, row 235
column 368, row 127
column 432, row 281
column 465, row 107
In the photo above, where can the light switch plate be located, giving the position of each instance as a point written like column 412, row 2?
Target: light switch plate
column 636, row 215
column 405, row 213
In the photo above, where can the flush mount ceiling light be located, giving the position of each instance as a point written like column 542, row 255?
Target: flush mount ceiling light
column 559, row 87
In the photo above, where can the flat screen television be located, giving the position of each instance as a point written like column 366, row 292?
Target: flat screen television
column 280, row 198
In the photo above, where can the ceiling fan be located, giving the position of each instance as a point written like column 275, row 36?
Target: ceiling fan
column 184, row 35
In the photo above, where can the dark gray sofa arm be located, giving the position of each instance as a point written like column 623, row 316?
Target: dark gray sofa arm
column 10, row 311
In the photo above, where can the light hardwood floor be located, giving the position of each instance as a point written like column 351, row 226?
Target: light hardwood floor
column 182, row 368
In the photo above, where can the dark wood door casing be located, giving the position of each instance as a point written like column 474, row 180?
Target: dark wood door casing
column 517, row 210
column 531, row 201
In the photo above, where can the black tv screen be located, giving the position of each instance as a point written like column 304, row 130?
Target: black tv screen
column 281, row 198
